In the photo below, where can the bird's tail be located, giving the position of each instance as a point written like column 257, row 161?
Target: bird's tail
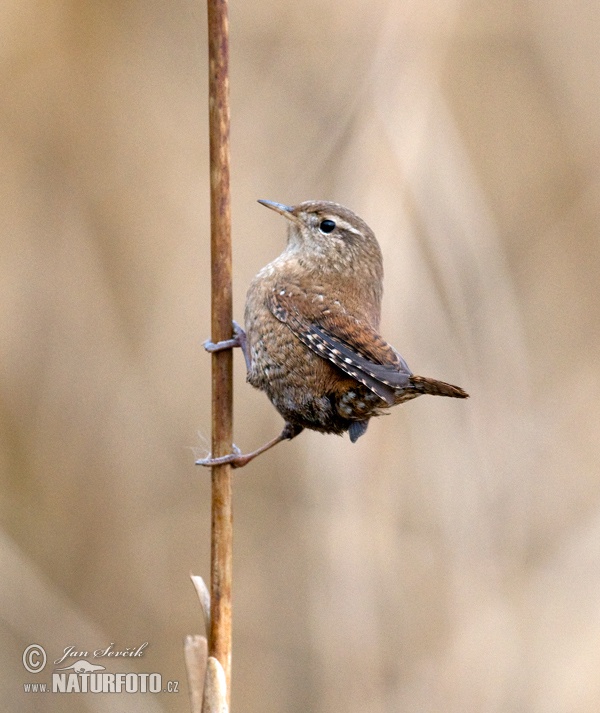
column 424, row 385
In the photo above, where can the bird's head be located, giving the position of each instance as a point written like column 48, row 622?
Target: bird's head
column 322, row 234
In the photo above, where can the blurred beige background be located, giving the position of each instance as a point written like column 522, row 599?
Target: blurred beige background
column 450, row 560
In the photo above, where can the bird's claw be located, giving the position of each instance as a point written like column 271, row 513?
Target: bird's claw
column 235, row 459
column 220, row 346
column 235, row 341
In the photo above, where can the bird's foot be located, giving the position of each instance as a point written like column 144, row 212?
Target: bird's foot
column 237, row 459
column 238, row 340
column 234, row 459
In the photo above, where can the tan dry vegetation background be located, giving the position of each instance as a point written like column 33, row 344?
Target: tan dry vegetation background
column 449, row 561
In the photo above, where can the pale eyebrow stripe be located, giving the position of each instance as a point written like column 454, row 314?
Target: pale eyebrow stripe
column 342, row 224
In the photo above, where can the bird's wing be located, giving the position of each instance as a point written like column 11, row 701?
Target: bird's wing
column 351, row 344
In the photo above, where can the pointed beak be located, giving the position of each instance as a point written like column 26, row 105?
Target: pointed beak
column 284, row 210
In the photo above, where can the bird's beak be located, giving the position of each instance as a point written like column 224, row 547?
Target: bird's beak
column 284, row 210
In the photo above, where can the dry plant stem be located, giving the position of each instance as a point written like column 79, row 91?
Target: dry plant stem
column 215, row 699
column 221, row 309
column 196, row 657
column 204, row 598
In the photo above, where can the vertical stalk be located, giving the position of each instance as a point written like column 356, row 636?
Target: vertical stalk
column 221, row 310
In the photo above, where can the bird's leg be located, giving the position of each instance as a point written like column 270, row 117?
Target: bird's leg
column 238, row 340
column 238, row 459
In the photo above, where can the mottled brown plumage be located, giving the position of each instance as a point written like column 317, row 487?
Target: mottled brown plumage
column 312, row 318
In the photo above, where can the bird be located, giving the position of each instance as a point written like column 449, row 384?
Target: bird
column 311, row 340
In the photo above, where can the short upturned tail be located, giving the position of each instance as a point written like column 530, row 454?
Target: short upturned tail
column 437, row 388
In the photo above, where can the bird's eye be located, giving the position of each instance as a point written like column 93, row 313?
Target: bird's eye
column 327, row 226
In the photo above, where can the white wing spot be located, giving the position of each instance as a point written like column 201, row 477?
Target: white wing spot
column 282, row 292
column 348, row 361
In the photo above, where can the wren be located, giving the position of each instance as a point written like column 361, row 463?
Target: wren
column 312, row 341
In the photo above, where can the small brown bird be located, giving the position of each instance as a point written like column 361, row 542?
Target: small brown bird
column 312, row 342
